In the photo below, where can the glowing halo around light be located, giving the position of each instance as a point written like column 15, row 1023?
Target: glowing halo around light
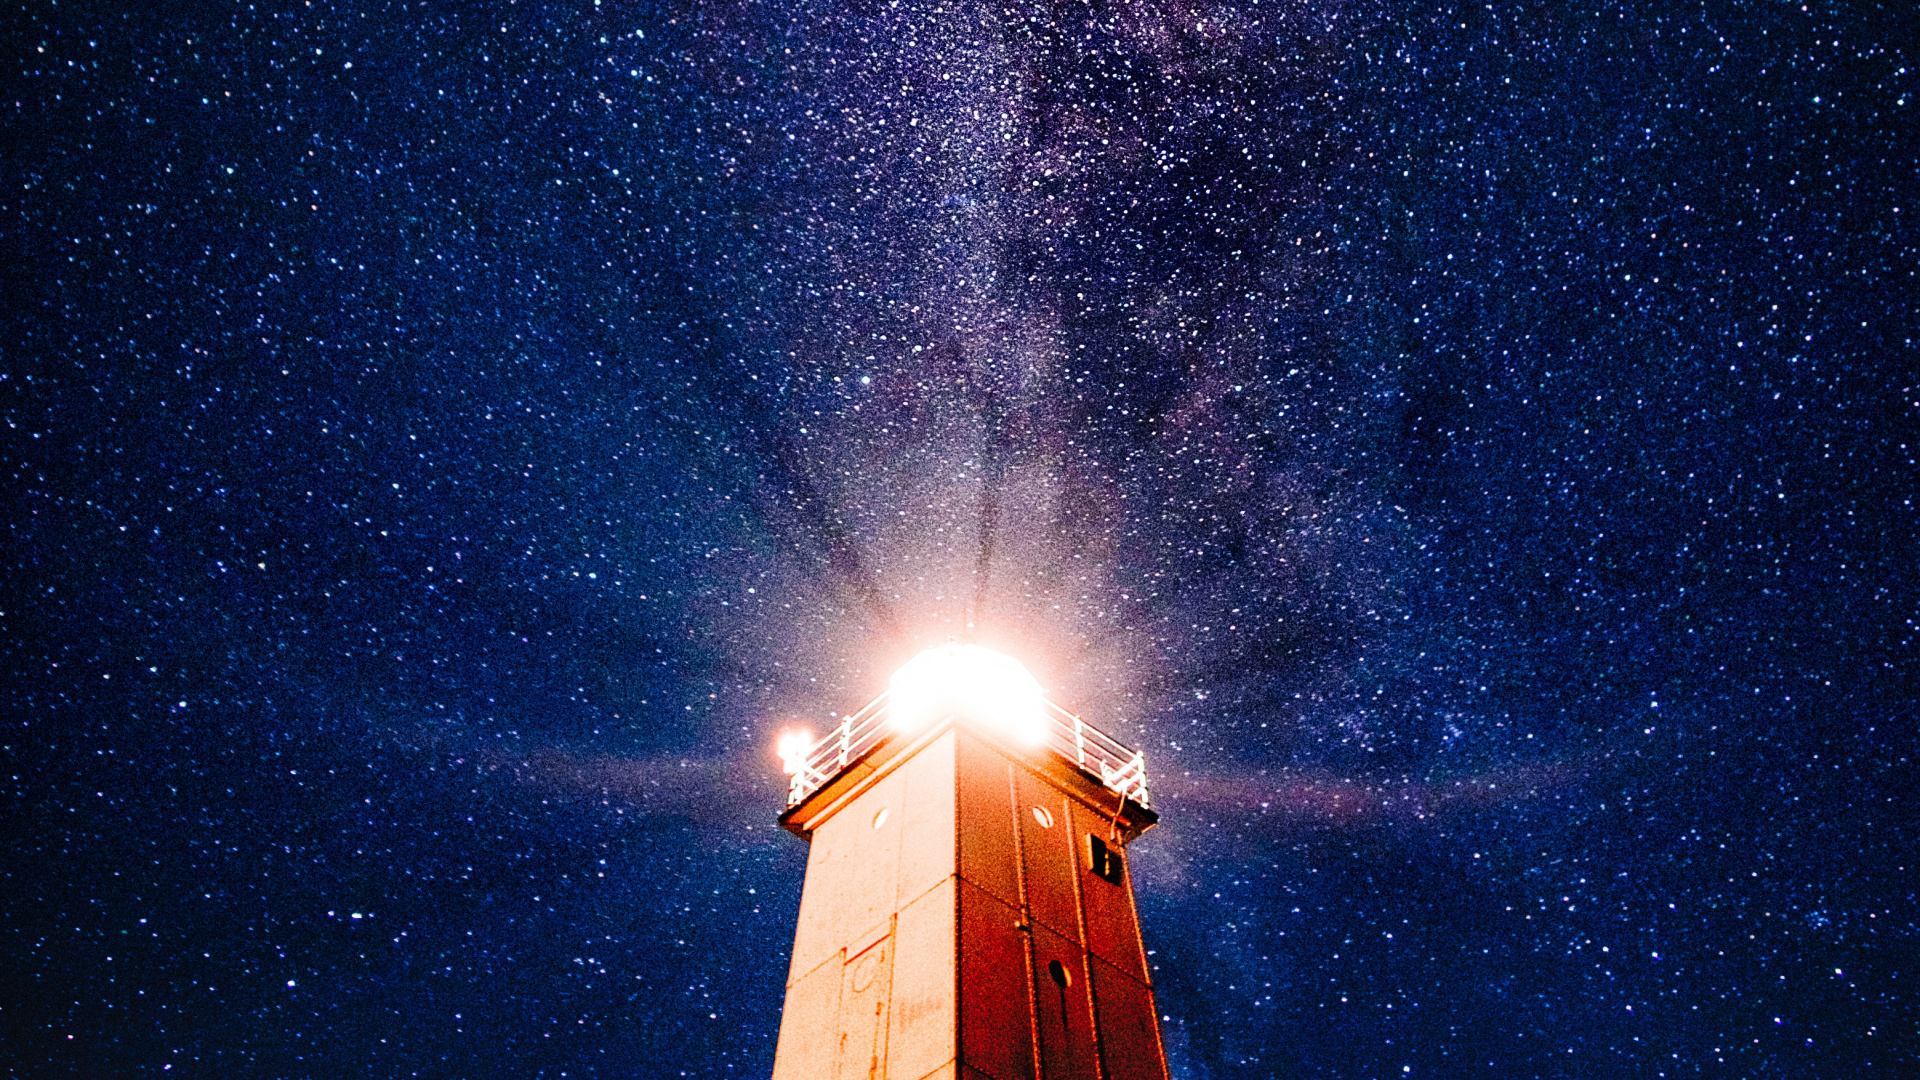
column 794, row 746
column 984, row 686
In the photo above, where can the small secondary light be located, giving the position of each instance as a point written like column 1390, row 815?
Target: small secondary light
column 794, row 747
column 979, row 684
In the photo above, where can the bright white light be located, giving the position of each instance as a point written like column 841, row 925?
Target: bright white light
column 966, row 680
column 794, row 746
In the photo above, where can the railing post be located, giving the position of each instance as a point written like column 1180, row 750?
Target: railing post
column 1079, row 742
column 846, row 739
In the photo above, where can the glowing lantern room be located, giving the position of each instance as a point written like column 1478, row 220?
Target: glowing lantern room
column 968, row 911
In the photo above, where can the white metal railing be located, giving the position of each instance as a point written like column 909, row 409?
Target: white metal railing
column 857, row 734
column 1122, row 770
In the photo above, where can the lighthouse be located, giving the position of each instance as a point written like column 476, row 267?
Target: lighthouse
column 968, row 910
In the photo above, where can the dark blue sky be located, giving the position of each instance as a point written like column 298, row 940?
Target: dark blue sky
column 1470, row 448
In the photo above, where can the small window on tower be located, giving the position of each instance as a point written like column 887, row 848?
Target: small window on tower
column 1104, row 860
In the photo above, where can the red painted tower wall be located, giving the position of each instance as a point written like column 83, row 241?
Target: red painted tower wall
column 959, row 920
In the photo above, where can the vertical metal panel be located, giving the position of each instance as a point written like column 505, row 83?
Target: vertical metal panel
column 1113, row 930
column 996, row 1035
column 927, row 819
column 872, row 875
column 852, row 874
column 923, row 1016
column 810, row 1029
column 1063, row 1009
column 814, row 939
column 986, row 816
column 1047, row 853
column 1129, row 1032
column 865, row 992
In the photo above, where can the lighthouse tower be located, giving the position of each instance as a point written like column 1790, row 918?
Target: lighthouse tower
column 968, row 911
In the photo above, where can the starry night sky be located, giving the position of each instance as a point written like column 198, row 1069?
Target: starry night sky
column 1469, row 447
